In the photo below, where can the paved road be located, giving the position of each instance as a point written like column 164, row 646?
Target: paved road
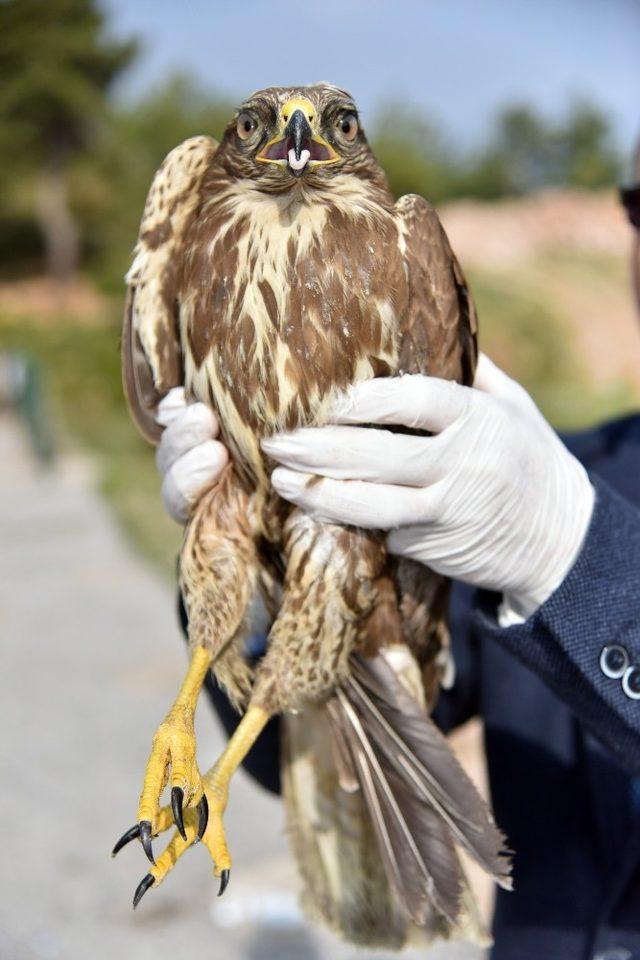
column 90, row 660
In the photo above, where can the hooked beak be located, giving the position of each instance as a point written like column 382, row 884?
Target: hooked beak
column 298, row 130
column 298, row 146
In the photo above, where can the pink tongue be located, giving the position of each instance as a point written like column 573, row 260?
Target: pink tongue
column 298, row 164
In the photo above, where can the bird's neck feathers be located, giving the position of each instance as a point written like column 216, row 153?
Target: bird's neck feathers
column 351, row 195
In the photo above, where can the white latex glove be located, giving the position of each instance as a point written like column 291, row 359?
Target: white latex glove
column 189, row 457
column 493, row 498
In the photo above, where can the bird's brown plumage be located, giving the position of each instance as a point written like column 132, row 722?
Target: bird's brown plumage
column 266, row 294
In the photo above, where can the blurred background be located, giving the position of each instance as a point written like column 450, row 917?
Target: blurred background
column 516, row 120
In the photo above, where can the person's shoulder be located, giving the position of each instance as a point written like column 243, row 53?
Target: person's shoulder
column 606, row 440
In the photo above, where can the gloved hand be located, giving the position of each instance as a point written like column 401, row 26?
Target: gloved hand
column 493, row 498
column 189, row 457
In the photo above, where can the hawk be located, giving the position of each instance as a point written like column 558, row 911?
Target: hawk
column 273, row 270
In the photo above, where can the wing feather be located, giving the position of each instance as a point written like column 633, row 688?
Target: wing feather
column 151, row 349
column 439, row 327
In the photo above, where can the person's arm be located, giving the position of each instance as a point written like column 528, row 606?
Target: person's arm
column 492, row 498
column 584, row 640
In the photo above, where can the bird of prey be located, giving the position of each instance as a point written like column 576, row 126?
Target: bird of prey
column 273, row 270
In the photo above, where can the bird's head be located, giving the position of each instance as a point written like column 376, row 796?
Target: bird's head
column 283, row 136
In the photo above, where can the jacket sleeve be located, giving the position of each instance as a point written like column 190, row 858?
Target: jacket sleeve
column 568, row 641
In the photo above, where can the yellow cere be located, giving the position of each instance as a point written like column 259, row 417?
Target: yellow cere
column 297, row 103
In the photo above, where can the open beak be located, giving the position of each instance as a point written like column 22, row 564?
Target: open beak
column 298, row 145
column 299, row 132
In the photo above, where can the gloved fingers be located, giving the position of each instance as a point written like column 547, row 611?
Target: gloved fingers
column 488, row 376
column 193, row 425
column 190, row 475
column 413, row 400
column 412, row 542
column 373, row 506
column 170, row 406
column 491, row 379
column 359, row 453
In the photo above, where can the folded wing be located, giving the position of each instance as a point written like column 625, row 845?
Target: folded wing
column 151, row 350
column 438, row 330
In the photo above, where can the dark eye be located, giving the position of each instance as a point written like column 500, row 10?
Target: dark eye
column 348, row 126
column 245, row 126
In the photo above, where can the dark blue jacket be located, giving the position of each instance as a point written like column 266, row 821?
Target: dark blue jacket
column 562, row 737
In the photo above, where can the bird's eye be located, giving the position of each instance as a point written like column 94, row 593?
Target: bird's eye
column 245, row 126
column 348, row 126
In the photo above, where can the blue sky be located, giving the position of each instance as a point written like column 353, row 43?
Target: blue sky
column 459, row 60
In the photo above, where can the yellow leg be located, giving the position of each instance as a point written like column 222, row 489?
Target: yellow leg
column 174, row 745
column 215, row 785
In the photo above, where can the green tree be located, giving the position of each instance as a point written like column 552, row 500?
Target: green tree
column 524, row 144
column 532, row 152
column 413, row 153
column 589, row 157
column 525, row 152
column 111, row 181
column 57, row 66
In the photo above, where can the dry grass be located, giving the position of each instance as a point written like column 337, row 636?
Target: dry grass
column 551, row 277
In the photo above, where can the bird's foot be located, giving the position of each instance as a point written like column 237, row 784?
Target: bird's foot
column 173, row 750
column 203, row 823
column 215, row 840
column 174, row 743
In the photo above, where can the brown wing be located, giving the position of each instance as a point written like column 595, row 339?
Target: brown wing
column 439, row 327
column 438, row 336
column 151, row 349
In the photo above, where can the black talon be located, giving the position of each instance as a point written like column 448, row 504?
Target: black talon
column 177, row 796
column 126, row 838
column 224, row 881
column 203, row 816
column 145, row 839
column 146, row 882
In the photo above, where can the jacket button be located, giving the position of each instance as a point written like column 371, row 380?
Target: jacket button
column 614, row 660
column 631, row 683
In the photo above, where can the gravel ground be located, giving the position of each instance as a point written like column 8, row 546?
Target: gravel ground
column 91, row 660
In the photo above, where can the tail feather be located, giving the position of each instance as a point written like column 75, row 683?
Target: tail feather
column 344, row 880
column 378, row 807
column 419, row 754
column 421, row 862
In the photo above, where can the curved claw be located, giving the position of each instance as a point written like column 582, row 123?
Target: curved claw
column 177, row 796
column 203, row 816
column 146, row 882
column 145, row 840
column 131, row 834
column 224, row 881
